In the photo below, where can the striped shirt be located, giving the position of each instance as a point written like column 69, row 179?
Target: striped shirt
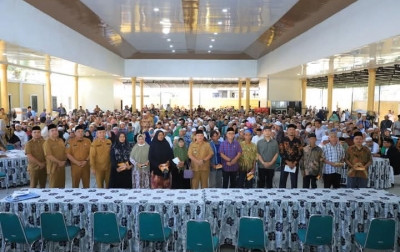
column 230, row 150
column 334, row 154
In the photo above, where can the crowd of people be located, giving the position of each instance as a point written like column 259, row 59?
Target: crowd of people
column 218, row 148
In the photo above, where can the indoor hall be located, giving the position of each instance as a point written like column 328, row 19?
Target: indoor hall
column 320, row 72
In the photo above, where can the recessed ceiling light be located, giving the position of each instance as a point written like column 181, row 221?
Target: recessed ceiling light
column 215, row 33
column 168, row 39
column 210, row 46
column 224, row 10
column 220, row 22
column 173, row 50
column 209, row 51
column 171, row 46
column 93, row 75
column 212, row 40
column 156, row 9
column 298, row 74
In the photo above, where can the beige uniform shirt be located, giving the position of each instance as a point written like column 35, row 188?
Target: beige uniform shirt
column 200, row 151
column 35, row 148
column 100, row 154
column 55, row 148
column 79, row 149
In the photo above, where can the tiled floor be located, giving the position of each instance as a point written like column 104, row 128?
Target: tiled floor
column 394, row 190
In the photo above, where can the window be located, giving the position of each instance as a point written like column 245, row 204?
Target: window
column 34, row 102
column 54, row 102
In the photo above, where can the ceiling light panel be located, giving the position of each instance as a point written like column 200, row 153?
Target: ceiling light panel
column 238, row 22
column 149, row 28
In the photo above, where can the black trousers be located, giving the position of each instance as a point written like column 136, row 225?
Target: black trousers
column 331, row 180
column 310, row 179
column 265, row 176
column 229, row 179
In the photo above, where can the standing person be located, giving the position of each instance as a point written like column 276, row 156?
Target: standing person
column 268, row 152
column 311, row 162
column 319, row 131
column 121, row 167
column 385, row 124
column 78, row 153
column 215, row 162
column 291, row 151
column 358, row 158
column 396, row 127
column 37, row 161
column 247, row 161
column 181, row 152
column 160, row 157
column 230, row 152
column 100, row 162
column 140, row 159
column 333, row 155
column 392, row 153
column 200, row 153
column 54, row 150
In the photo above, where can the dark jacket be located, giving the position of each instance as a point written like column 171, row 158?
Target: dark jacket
column 394, row 158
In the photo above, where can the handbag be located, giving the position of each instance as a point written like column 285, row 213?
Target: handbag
column 188, row 174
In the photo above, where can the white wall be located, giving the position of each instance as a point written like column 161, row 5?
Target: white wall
column 284, row 89
column 362, row 23
column 26, row 26
column 191, row 68
column 263, row 93
column 97, row 91
column 63, row 87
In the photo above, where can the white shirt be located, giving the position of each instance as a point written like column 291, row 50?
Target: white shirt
column 22, row 136
column 374, row 149
column 251, row 120
column 319, row 133
column 256, row 138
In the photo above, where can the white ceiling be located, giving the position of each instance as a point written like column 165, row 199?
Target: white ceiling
column 147, row 25
column 381, row 53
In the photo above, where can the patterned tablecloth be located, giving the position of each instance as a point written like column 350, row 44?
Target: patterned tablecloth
column 15, row 164
column 176, row 208
column 380, row 174
column 284, row 211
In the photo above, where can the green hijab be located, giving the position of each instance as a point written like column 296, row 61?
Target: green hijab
column 181, row 152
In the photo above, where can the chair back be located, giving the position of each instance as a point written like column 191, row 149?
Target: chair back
column 150, row 227
column 105, row 227
column 251, row 233
column 199, row 237
column 12, row 228
column 53, row 227
column 381, row 234
column 319, row 230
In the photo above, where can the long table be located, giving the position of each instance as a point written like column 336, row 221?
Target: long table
column 380, row 174
column 78, row 205
column 284, row 211
column 15, row 166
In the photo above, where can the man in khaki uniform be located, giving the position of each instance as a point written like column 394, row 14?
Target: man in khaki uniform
column 37, row 161
column 78, row 150
column 54, row 150
column 200, row 153
column 100, row 162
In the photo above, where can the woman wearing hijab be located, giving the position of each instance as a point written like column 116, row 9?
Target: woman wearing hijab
column 181, row 152
column 160, row 156
column 88, row 135
column 121, row 173
column 140, row 158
